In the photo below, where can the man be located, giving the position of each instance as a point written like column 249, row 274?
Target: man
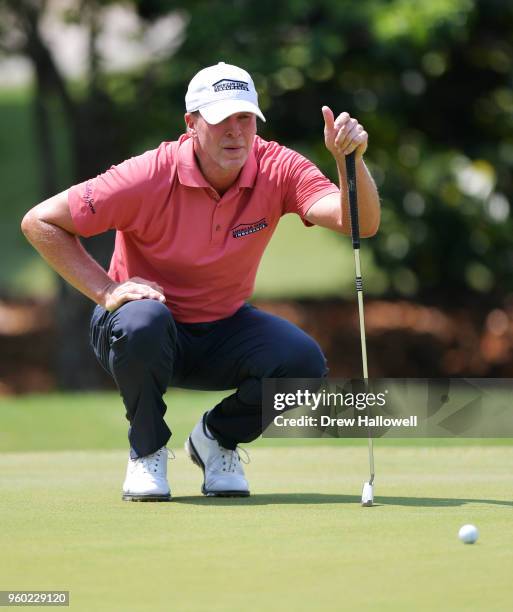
column 192, row 220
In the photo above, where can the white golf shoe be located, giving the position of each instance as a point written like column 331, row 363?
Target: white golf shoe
column 222, row 469
column 146, row 478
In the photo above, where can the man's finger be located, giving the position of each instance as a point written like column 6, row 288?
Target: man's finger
column 155, row 286
column 342, row 119
column 135, row 295
column 144, row 281
column 141, row 290
column 131, row 297
column 359, row 143
column 351, row 130
column 329, row 118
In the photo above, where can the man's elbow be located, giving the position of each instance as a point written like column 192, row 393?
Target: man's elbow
column 33, row 225
column 371, row 228
column 370, row 232
column 28, row 223
column 53, row 212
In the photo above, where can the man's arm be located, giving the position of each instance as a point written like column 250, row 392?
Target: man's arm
column 50, row 229
column 342, row 136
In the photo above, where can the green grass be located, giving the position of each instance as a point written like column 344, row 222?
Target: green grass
column 301, row 542
column 19, row 168
column 19, row 176
column 21, row 180
column 311, row 262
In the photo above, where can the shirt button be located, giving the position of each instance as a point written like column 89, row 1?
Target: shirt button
column 218, row 227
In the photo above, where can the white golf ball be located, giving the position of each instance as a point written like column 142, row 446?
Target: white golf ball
column 468, row 534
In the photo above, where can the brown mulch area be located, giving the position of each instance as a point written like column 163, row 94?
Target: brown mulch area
column 26, row 331
column 405, row 339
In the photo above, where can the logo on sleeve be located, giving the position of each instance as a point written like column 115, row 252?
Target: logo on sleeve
column 88, row 196
column 229, row 84
column 244, row 229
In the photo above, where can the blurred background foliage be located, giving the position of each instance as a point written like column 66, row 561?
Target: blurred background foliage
column 432, row 82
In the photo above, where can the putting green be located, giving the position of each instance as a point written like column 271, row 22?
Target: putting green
column 301, row 542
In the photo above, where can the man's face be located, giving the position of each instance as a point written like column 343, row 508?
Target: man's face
column 226, row 144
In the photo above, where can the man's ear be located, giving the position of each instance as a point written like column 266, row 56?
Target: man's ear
column 190, row 124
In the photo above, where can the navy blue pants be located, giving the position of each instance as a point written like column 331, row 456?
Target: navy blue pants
column 146, row 351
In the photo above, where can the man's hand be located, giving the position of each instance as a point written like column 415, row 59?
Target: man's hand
column 135, row 288
column 343, row 134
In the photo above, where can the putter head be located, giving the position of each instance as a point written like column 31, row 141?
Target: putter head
column 368, row 494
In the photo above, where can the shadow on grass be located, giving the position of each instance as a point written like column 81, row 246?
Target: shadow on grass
column 277, row 499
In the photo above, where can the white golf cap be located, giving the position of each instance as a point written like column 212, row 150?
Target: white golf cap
column 220, row 91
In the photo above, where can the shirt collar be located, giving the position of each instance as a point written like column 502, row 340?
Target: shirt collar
column 190, row 175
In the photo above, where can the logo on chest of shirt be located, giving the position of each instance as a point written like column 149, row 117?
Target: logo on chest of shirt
column 245, row 229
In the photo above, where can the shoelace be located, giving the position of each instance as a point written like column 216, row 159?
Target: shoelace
column 234, row 457
column 150, row 462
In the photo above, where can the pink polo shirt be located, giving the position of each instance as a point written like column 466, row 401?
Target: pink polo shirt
column 173, row 228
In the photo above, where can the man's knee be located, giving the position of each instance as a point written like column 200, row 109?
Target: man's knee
column 301, row 358
column 146, row 328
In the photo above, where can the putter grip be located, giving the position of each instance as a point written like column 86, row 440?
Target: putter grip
column 353, row 199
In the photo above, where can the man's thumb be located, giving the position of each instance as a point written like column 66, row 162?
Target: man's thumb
column 329, row 117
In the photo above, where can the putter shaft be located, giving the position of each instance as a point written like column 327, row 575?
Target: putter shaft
column 355, row 233
column 361, row 314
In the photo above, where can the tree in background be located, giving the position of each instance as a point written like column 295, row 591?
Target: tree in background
column 432, row 82
column 97, row 137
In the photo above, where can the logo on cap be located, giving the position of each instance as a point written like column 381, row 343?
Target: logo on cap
column 229, row 84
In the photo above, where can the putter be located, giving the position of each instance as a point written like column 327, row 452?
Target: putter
column 368, row 487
